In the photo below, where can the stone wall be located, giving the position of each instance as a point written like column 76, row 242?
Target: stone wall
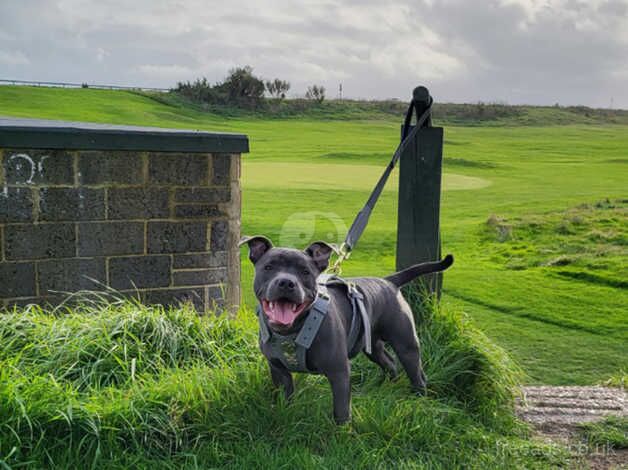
column 163, row 226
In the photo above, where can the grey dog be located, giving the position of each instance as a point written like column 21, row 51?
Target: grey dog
column 286, row 286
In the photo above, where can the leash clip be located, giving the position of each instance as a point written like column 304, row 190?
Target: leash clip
column 344, row 252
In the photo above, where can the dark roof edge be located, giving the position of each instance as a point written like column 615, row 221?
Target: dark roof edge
column 22, row 133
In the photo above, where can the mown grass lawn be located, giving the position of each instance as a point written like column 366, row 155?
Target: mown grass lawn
column 536, row 215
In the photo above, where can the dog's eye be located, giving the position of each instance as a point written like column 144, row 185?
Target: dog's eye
column 268, row 267
column 306, row 272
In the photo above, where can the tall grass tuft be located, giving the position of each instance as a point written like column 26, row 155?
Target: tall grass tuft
column 461, row 362
column 119, row 385
column 611, row 433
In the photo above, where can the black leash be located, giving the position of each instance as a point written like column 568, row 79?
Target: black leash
column 421, row 98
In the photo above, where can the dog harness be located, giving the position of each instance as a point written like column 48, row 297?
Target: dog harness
column 291, row 349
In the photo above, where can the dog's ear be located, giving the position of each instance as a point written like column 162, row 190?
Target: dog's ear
column 258, row 245
column 320, row 252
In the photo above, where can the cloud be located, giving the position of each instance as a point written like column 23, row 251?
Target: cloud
column 165, row 72
column 566, row 51
column 13, row 58
column 519, row 51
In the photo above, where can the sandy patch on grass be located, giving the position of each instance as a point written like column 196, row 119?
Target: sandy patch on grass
column 280, row 175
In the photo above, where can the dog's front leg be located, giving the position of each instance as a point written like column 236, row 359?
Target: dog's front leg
column 341, row 390
column 282, row 377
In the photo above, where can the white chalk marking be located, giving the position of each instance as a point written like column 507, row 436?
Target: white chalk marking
column 29, row 160
column 40, row 165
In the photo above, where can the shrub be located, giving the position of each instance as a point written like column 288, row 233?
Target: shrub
column 200, row 91
column 277, row 88
column 240, row 89
column 480, row 111
column 315, row 93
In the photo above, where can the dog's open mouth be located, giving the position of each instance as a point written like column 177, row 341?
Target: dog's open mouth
column 282, row 311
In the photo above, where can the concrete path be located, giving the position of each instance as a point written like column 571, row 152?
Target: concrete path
column 556, row 406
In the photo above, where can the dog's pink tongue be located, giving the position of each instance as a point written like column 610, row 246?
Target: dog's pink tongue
column 281, row 312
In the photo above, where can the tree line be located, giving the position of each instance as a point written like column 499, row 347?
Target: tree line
column 242, row 89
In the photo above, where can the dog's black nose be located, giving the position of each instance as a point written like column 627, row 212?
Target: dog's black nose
column 286, row 284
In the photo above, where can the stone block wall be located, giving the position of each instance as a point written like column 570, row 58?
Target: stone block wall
column 163, row 226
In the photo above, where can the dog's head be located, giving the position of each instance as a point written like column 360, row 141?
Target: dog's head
column 285, row 278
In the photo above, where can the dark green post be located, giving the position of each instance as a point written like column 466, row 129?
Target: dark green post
column 420, row 169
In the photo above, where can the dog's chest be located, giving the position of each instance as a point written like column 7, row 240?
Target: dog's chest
column 285, row 349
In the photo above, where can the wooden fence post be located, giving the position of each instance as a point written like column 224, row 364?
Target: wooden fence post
column 420, row 169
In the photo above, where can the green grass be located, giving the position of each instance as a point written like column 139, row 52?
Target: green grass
column 620, row 379
column 552, row 293
column 119, row 385
column 298, row 175
column 611, row 433
column 467, row 114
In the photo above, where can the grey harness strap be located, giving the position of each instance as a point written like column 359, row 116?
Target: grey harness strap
column 291, row 350
column 264, row 332
column 357, row 304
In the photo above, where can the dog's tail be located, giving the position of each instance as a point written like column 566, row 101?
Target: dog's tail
column 403, row 277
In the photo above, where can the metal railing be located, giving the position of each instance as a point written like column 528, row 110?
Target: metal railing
column 79, row 85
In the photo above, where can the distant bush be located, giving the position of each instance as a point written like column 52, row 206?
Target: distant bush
column 315, row 93
column 277, row 88
column 199, row 90
column 240, row 89
column 243, row 91
column 475, row 111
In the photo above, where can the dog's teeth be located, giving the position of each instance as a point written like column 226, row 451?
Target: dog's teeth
column 294, row 307
column 272, row 305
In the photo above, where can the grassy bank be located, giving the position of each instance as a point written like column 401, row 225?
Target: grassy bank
column 119, row 385
column 535, row 214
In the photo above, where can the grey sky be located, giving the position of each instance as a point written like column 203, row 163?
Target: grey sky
column 516, row 51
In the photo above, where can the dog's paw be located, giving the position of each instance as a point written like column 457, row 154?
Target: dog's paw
column 341, row 420
column 420, row 390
